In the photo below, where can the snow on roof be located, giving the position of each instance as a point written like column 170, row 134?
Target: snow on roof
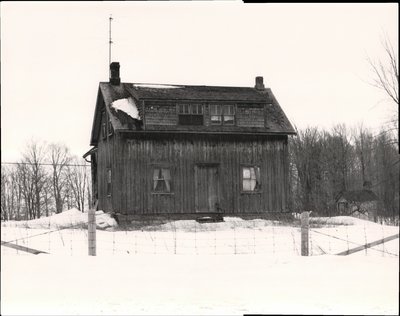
column 155, row 86
column 128, row 106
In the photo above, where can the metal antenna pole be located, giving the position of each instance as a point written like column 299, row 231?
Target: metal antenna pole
column 109, row 45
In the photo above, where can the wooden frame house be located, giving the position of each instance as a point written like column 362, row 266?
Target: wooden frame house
column 178, row 149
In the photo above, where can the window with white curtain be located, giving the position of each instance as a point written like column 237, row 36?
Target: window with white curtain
column 162, row 180
column 251, row 178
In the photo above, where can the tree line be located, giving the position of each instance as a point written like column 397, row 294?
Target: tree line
column 322, row 164
column 325, row 163
column 48, row 179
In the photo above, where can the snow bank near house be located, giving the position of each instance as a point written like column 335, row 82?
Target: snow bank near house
column 105, row 221
column 228, row 224
column 128, row 106
column 155, row 86
column 340, row 220
column 67, row 219
column 72, row 217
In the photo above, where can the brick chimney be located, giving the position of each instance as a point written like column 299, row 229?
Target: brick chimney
column 114, row 73
column 259, row 83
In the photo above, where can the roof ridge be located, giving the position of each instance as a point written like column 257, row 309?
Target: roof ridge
column 186, row 85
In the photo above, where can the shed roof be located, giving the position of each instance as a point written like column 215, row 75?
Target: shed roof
column 359, row 196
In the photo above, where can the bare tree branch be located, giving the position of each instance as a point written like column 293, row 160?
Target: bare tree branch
column 386, row 75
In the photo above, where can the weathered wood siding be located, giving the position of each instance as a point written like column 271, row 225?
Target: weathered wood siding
column 250, row 116
column 107, row 151
column 135, row 157
column 163, row 113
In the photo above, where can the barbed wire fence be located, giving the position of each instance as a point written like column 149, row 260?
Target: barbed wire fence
column 279, row 235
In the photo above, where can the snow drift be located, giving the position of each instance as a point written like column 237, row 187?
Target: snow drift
column 128, row 106
column 67, row 219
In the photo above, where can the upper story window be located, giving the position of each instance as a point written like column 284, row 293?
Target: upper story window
column 103, row 124
column 109, row 127
column 190, row 114
column 222, row 114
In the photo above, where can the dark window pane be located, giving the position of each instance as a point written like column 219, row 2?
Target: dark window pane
column 108, row 181
column 229, row 110
column 186, row 108
column 191, row 119
column 215, row 109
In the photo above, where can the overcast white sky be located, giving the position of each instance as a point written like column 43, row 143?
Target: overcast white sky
column 312, row 56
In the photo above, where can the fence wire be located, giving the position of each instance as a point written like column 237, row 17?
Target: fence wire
column 275, row 237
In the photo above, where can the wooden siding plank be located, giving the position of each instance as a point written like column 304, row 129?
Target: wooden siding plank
column 135, row 171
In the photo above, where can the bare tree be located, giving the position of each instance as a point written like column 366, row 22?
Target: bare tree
column 59, row 158
column 363, row 144
column 10, row 194
column 305, row 157
column 386, row 78
column 5, row 194
column 77, row 176
column 32, row 178
column 386, row 72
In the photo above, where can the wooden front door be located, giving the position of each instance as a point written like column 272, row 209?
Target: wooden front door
column 207, row 188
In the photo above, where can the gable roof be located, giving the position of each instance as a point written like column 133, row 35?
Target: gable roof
column 200, row 93
column 277, row 122
column 359, row 196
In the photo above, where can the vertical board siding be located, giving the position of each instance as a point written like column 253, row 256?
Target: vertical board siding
column 132, row 161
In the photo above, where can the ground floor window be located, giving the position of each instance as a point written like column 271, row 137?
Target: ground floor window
column 162, row 180
column 251, row 179
column 109, row 181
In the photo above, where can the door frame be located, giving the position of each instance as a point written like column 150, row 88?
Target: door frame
column 196, row 189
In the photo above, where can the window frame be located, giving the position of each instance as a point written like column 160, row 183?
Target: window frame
column 103, row 124
column 233, row 114
column 109, row 182
column 190, row 112
column 110, row 129
column 344, row 205
column 216, row 108
column 161, row 166
column 258, row 186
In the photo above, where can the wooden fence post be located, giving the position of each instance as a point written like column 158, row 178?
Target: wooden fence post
column 304, row 233
column 92, row 230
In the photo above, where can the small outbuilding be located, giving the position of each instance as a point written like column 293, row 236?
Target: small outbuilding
column 358, row 203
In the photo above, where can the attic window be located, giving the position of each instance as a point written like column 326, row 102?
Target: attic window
column 190, row 114
column 251, row 179
column 216, row 114
column 229, row 114
column 222, row 114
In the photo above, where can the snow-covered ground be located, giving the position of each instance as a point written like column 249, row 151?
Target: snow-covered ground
column 183, row 267
column 199, row 285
